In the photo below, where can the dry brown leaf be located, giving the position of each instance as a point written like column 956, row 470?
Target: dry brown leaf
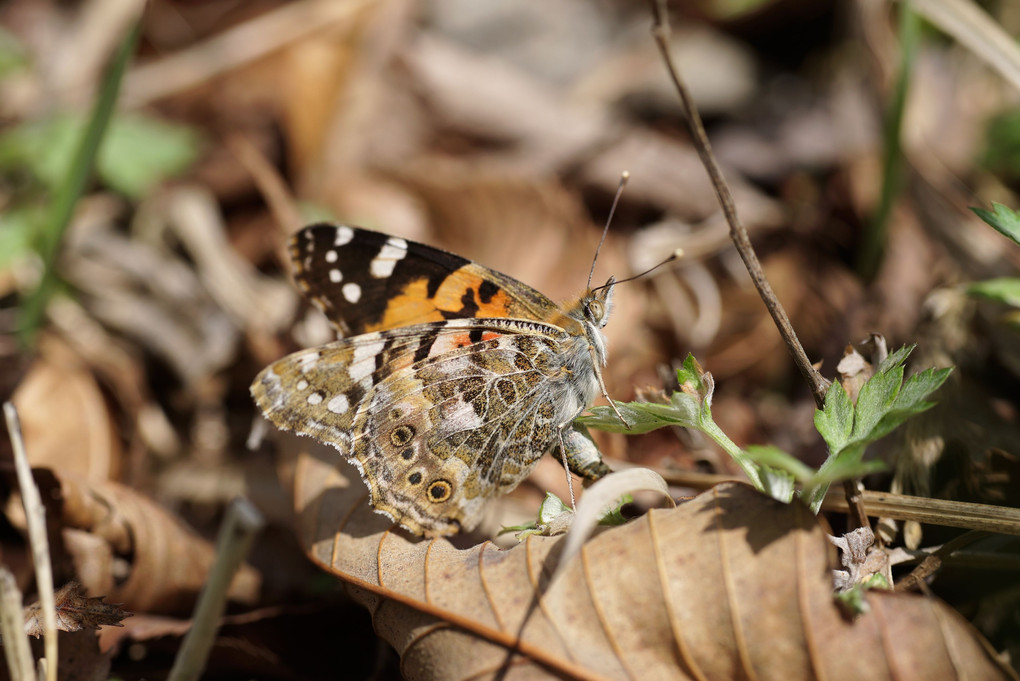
column 75, row 611
column 160, row 563
column 64, row 416
column 729, row 585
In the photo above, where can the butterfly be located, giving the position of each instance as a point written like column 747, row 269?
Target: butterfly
column 451, row 380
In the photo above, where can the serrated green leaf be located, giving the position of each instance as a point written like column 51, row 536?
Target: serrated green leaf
column 835, row 421
column 875, row 398
column 1003, row 219
column 895, row 357
column 909, row 400
column 1005, row 290
column 918, row 387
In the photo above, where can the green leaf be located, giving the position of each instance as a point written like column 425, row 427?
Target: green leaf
column 139, row 153
column 71, row 186
column 884, row 402
column 696, row 382
column 846, row 465
column 835, row 421
column 895, row 357
column 875, row 398
column 777, row 484
column 1004, row 220
column 909, row 400
column 774, row 457
column 614, row 516
column 1005, row 290
column 642, row 417
column 18, row 226
column 136, row 154
column 551, row 507
column 43, row 147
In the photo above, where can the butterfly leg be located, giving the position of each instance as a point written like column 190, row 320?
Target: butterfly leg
column 602, row 387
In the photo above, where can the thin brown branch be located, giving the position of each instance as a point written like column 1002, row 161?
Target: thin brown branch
column 963, row 514
column 819, row 385
column 933, row 561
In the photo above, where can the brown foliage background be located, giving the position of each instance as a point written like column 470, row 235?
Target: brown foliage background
column 498, row 131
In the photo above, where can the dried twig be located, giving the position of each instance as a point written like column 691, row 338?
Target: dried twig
column 967, row 515
column 240, row 525
column 35, row 519
column 818, row 383
column 234, row 48
column 12, row 626
column 933, row 561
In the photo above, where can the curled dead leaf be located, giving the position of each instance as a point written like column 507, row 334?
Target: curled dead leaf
column 75, row 611
column 82, row 439
column 146, row 558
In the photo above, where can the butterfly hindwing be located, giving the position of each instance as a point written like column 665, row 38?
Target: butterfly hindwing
column 437, row 439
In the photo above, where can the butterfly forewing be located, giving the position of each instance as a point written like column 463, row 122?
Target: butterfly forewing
column 366, row 281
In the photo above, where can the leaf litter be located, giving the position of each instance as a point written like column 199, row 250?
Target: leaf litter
column 500, row 133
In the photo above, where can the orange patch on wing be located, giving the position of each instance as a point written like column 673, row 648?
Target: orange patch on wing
column 412, row 306
column 451, row 295
column 453, row 341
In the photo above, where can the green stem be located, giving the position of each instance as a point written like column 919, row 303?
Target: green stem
column 73, row 186
column 708, row 427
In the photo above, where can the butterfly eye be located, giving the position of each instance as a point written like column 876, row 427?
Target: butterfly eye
column 596, row 309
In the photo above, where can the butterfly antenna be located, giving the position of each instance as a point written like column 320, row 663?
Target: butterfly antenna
column 624, row 176
column 675, row 255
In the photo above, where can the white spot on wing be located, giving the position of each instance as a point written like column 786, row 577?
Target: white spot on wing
column 308, row 362
column 335, row 276
column 352, row 292
column 363, row 363
column 344, row 234
column 392, row 252
column 302, row 384
column 339, row 404
column 315, row 398
column 331, row 255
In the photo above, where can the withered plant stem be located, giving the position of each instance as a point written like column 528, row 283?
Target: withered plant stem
column 35, row 519
column 12, row 626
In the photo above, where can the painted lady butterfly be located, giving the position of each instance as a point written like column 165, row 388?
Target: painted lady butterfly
column 451, row 381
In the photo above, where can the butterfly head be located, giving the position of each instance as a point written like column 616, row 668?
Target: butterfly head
column 597, row 304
